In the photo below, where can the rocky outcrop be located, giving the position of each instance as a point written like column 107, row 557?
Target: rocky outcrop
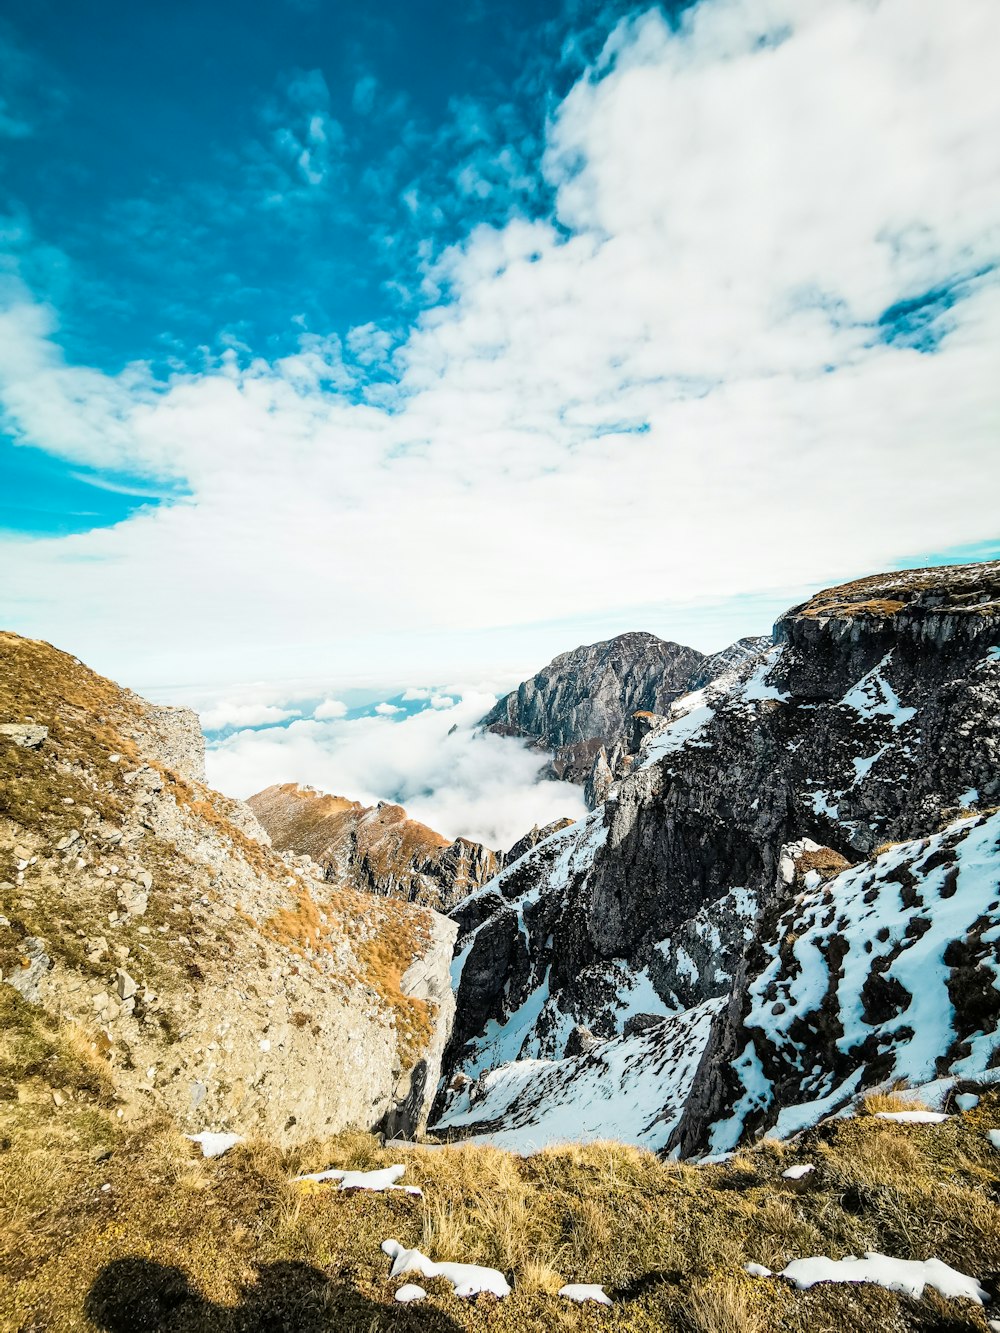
column 583, row 699
column 889, row 971
column 534, row 837
column 376, row 849
column 227, row 984
column 589, row 706
column 874, row 717
column 717, row 665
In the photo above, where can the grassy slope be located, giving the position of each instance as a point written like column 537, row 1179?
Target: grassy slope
column 181, row 1243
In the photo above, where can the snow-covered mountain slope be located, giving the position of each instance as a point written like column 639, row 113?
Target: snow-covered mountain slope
column 874, row 717
column 629, row 1088
column 890, row 971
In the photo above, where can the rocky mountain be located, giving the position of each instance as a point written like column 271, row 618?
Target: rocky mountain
column 226, row 984
column 730, row 941
column 582, row 700
column 582, row 705
column 376, row 849
column 730, row 659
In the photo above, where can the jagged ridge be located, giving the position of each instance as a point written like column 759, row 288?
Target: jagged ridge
column 873, row 718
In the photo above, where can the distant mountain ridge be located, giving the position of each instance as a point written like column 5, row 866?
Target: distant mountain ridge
column 377, row 849
column 580, row 706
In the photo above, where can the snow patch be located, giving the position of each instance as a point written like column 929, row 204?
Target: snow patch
column 686, row 727
column 907, row 1276
column 409, row 1291
column 214, row 1144
column 912, row 1117
column 873, row 697
column 797, row 1172
column 584, row 1291
column 375, row 1181
column 467, row 1279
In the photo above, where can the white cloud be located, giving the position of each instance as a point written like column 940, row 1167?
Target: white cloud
column 442, row 701
column 329, row 709
column 413, row 694
column 674, row 389
column 460, row 782
column 387, row 709
column 244, row 715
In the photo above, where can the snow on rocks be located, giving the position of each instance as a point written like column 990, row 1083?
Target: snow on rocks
column 467, row 1279
column 890, row 942
column 585, row 1291
column 213, row 1143
column 912, row 1117
column 994, row 1137
column 628, row 1088
column 907, row 1276
column 375, row 1181
column 408, row 1292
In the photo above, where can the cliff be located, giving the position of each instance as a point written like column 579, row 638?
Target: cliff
column 582, row 700
column 225, row 984
column 584, row 704
column 873, row 718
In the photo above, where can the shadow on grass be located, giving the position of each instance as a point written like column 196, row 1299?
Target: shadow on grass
column 139, row 1296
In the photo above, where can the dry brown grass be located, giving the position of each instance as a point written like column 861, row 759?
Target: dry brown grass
column 667, row 1241
column 728, row 1305
column 883, row 1157
column 877, row 1102
column 878, row 607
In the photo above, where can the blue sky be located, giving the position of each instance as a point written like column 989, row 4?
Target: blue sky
column 178, row 214
column 394, row 344
column 215, row 175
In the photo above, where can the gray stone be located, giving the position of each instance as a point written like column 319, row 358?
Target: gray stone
column 581, row 1041
column 28, row 980
column 26, row 735
column 125, row 985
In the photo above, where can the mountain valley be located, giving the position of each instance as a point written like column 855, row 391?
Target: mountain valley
column 744, row 1012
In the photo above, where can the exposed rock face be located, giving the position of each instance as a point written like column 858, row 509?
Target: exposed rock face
column 583, row 698
column 873, row 718
column 229, row 985
column 374, row 848
column 588, row 705
column 889, row 971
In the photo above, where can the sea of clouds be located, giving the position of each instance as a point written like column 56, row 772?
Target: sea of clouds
column 422, row 748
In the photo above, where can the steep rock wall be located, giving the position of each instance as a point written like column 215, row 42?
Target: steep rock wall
column 225, row 984
column 874, row 717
